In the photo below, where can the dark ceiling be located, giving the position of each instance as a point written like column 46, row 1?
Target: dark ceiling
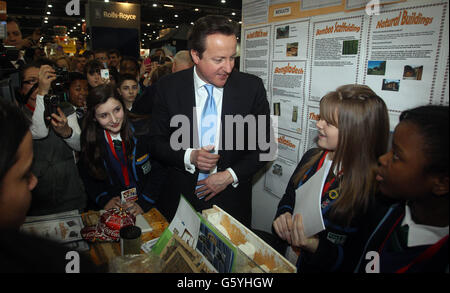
column 34, row 13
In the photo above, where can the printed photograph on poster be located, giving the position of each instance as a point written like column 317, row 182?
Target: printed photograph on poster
column 292, row 49
column 350, row 47
column 278, row 175
column 403, row 54
column 276, row 109
column 413, row 72
column 376, row 67
column 283, row 32
column 336, row 56
column 291, row 41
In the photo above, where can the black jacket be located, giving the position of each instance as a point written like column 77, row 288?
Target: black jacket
column 243, row 94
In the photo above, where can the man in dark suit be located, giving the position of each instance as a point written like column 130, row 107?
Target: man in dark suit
column 227, row 161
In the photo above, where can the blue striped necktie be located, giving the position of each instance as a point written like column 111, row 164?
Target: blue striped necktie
column 208, row 126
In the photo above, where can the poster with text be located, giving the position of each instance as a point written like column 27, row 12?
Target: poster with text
column 287, row 94
column 288, row 147
column 403, row 54
column 313, row 114
column 291, row 41
column 257, row 52
column 277, row 177
column 336, row 46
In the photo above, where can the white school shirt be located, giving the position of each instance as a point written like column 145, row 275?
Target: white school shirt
column 422, row 234
column 201, row 94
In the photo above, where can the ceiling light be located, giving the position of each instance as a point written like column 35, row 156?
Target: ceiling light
column 168, row 5
column 50, row 5
column 176, row 15
column 196, row 9
column 46, row 17
column 155, row 5
column 223, row 1
column 45, row 21
column 83, row 20
column 148, row 24
column 48, row 12
column 161, row 20
column 233, row 13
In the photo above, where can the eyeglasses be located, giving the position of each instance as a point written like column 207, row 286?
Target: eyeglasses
column 30, row 82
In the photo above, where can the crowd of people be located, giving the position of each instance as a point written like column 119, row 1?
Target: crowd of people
column 111, row 138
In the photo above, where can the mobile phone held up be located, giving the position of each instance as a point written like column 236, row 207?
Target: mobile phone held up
column 104, row 73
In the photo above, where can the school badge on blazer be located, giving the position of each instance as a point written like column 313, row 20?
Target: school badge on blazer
column 144, row 162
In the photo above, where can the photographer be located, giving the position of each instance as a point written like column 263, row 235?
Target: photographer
column 56, row 135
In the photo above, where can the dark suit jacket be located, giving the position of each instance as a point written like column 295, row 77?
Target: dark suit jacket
column 244, row 94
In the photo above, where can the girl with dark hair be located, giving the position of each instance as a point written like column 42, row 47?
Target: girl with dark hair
column 117, row 168
column 353, row 133
column 20, row 252
column 413, row 234
column 16, row 156
column 92, row 72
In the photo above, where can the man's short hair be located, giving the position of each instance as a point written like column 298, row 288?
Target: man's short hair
column 35, row 64
column 208, row 25
column 97, row 51
column 114, row 51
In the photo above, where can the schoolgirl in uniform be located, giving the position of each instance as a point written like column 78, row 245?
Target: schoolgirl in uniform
column 117, row 167
column 353, row 132
column 413, row 234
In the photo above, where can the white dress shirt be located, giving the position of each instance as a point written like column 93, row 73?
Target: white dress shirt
column 201, row 95
column 422, row 234
column 40, row 130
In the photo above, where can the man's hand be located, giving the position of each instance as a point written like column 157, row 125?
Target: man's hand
column 203, row 159
column 60, row 125
column 214, row 184
column 46, row 76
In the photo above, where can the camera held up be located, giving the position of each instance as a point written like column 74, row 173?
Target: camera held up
column 57, row 94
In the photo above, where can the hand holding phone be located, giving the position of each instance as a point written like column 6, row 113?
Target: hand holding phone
column 104, row 73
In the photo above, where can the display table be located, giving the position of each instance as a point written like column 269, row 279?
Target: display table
column 102, row 252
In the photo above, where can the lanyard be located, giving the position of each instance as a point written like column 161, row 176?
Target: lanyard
column 30, row 108
column 427, row 254
column 327, row 185
column 122, row 166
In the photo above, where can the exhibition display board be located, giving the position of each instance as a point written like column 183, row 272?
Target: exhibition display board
column 304, row 49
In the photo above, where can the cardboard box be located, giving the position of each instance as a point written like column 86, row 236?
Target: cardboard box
column 248, row 242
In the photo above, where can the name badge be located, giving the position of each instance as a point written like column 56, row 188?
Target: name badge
column 129, row 195
column 146, row 167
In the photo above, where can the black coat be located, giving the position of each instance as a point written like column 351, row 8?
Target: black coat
column 243, row 94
